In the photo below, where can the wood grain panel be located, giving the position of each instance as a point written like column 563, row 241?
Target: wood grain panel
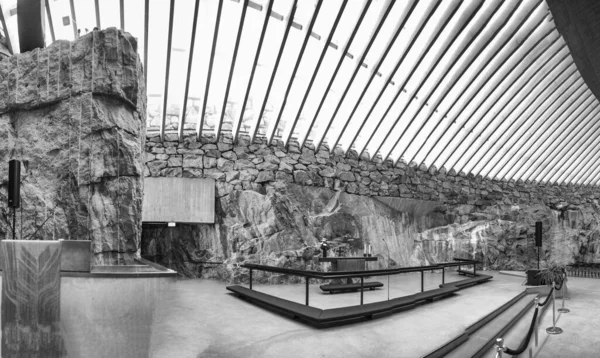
column 30, row 298
column 181, row 200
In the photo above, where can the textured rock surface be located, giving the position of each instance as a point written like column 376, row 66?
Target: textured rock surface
column 275, row 203
column 74, row 114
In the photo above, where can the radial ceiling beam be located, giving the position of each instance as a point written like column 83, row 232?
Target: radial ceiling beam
column 146, row 27
column 457, row 57
column 313, row 19
column 525, row 146
column 50, row 22
column 414, row 68
column 513, row 137
column 10, row 47
column 584, row 145
column 316, row 70
column 122, row 14
column 335, row 72
column 377, row 66
column 423, row 80
column 200, row 124
column 519, row 65
column 357, row 67
column 232, row 67
column 589, row 176
column 97, row 6
column 565, row 136
column 274, row 72
column 186, row 91
column 236, row 127
column 488, row 75
column 519, row 99
column 167, row 71
column 583, row 166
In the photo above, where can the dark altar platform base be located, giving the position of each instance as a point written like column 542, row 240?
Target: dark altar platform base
column 30, row 298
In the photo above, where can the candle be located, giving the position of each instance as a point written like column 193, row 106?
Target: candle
column 365, row 249
column 370, row 247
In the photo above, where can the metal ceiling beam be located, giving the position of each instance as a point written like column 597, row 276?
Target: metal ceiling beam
column 582, row 167
column 516, row 135
column 146, row 15
column 562, row 104
column 437, row 84
column 516, row 98
column 313, row 19
column 513, row 82
column 274, row 72
column 122, row 14
column 376, row 68
column 414, row 68
column 10, row 47
column 97, row 5
column 186, row 91
column 232, row 67
column 543, row 168
column 316, row 70
column 200, row 124
column 335, row 72
column 236, row 127
column 573, row 152
column 74, row 19
column 424, row 80
column 167, row 71
column 50, row 22
column 592, row 175
column 357, row 67
column 488, row 74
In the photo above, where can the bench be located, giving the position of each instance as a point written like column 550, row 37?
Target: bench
column 468, row 282
column 348, row 287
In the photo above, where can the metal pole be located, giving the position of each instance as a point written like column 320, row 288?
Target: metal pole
column 362, row 282
column 499, row 347
column 553, row 329
column 388, row 287
column 563, row 309
column 537, row 320
column 443, row 275
column 566, row 292
column 250, row 278
column 422, row 282
column 307, row 280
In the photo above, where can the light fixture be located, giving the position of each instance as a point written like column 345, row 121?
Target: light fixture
column 171, row 224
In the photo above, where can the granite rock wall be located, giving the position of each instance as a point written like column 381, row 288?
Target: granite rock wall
column 73, row 114
column 274, row 204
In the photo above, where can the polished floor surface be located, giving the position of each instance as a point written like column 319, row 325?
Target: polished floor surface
column 202, row 319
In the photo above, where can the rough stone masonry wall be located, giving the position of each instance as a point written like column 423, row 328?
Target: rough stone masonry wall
column 274, row 204
column 73, row 114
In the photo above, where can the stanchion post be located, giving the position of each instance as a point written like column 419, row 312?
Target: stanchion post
column 307, row 280
column 250, row 278
column 499, row 347
column 362, row 282
column 563, row 309
column 553, row 329
column 422, row 281
column 443, row 275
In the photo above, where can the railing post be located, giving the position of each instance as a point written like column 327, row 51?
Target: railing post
column 443, row 275
column 250, row 278
column 422, row 280
column 362, row 282
column 553, row 329
column 499, row 347
column 307, row 280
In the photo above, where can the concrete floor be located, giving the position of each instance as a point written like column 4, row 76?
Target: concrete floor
column 202, row 319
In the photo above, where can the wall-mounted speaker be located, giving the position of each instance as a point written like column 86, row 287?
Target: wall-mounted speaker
column 538, row 233
column 14, row 183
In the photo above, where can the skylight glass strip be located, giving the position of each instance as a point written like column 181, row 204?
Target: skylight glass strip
column 544, row 140
column 491, row 61
column 310, row 67
column 516, row 159
column 85, row 12
column 251, row 46
column 269, row 60
column 553, row 80
column 431, row 32
column 158, row 33
column 460, row 55
column 302, row 38
column 553, row 152
column 394, row 53
column 167, row 69
column 329, row 71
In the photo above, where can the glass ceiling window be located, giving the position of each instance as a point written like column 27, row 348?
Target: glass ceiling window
column 482, row 87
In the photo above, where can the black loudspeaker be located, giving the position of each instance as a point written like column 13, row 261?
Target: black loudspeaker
column 538, row 233
column 14, row 183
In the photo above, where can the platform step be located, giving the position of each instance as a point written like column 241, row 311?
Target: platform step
column 346, row 287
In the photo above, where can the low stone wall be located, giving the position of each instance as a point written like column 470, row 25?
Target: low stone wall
column 241, row 166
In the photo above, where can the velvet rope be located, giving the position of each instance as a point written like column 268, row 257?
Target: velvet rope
column 541, row 304
column 561, row 285
column 525, row 342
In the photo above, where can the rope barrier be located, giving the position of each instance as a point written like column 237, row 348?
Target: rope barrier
column 561, row 285
column 525, row 342
column 542, row 304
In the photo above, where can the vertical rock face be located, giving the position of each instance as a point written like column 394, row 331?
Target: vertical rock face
column 74, row 115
